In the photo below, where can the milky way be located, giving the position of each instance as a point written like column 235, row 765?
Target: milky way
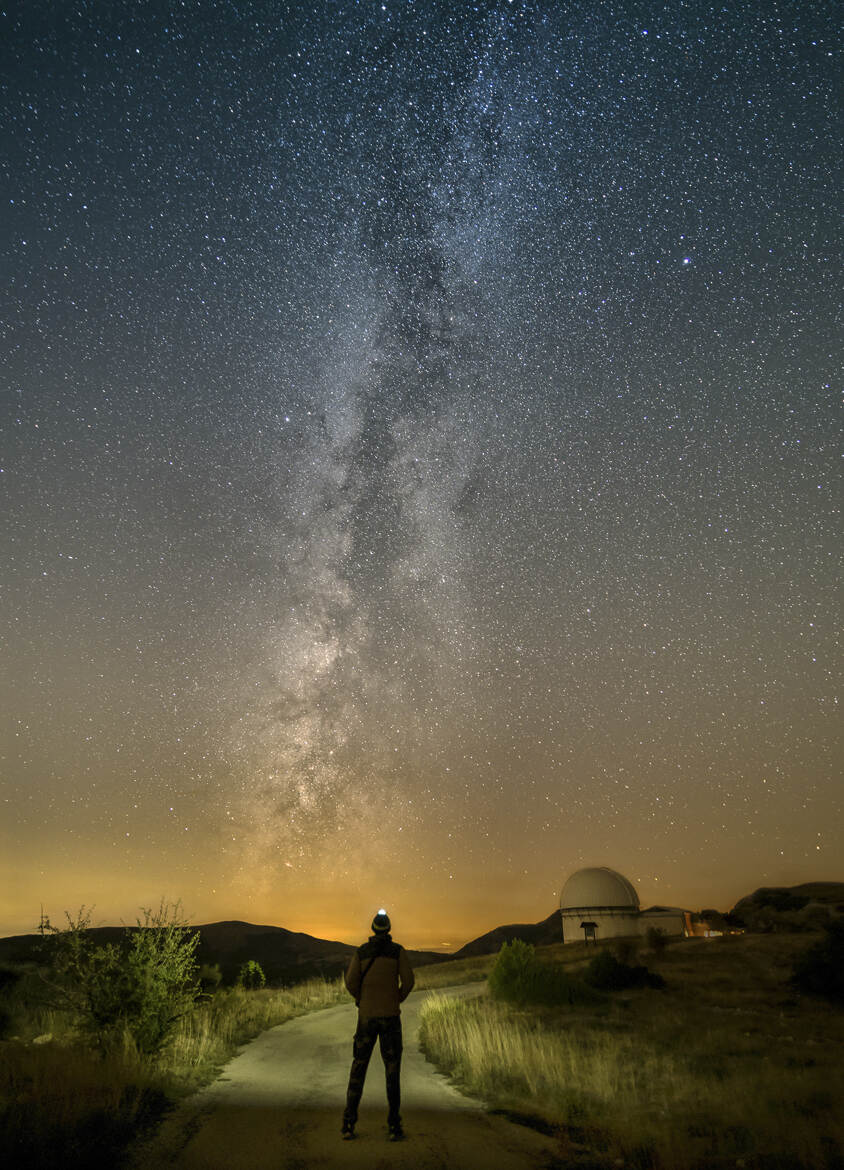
column 420, row 456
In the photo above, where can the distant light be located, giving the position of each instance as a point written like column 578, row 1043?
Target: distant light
column 382, row 911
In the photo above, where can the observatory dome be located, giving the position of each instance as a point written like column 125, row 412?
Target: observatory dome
column 598, row 889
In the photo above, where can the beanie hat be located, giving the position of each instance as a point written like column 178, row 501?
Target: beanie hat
column 381, row 923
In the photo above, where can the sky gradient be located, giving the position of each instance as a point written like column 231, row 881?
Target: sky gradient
column 421, row 449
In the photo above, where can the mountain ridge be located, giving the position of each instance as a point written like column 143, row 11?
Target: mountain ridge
column 285, row 956
column 543, row 933
column 292, row 956
column 823, row 893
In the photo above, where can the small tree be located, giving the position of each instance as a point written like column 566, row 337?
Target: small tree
column 143, row 985
column 163, row 974
column 251, row 975
column 88, row 982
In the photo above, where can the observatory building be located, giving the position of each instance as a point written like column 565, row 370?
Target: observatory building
column 600, row 903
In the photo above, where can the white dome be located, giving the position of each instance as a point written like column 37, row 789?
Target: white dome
column 598, row 889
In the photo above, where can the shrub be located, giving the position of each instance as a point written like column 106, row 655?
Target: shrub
column 519, row 977
column 657, row 940
column 626, row 949
column 251, row 975
column 143, row 986
column 210, row 976
column 608, row 974
column 512, row 974
column 820, row 969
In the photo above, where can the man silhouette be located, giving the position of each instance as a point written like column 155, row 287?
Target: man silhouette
column 380, row 978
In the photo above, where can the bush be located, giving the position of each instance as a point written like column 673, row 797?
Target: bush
column 511, row 976
column 143, row 986
column 820, row 969
column 608, row 974
column 626, row 949
column 657, row 940
column 251, row 975
column 519, row 977
column 210, row 976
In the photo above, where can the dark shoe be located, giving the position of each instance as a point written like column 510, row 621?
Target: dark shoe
column 396, row 1133
column 348, row 1131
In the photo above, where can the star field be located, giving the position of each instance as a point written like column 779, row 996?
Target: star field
column 420, row 457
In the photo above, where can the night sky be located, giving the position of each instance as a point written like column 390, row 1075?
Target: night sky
column 420, row 447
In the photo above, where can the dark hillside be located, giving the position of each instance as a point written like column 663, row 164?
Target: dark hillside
column 794, row 897
column 285, row 956
column 539, row 934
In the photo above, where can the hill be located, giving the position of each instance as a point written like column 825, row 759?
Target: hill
column 285, row 956
column 540, row 934
column 794, row 897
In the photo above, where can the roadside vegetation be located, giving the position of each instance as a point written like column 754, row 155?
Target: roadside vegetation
column 97, row 1043
column 667, row 1056
column 728, row 1064
column 447, row 974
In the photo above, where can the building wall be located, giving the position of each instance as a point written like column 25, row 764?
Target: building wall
column 613, row 924
column 675, row 923
column 622, row 923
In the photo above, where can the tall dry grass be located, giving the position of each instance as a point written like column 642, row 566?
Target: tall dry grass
column 63, row 1104
column 722, row 1069
column 448, row 974
column 209, row 1036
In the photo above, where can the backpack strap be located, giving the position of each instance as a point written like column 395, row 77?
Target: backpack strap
column 363, row 975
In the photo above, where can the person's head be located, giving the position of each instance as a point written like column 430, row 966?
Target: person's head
column 381, row 924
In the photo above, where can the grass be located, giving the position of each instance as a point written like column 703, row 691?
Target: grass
column 208, row 1037
column 477, row 968
column 448, row 974
column 63, row 1104
column 724, row 1068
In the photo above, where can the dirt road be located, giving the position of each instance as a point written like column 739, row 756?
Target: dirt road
column 278, row 1104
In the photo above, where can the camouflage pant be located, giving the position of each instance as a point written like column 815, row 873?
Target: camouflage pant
column 386, row 1029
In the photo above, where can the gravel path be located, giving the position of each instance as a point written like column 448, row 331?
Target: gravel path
column 278, row 1104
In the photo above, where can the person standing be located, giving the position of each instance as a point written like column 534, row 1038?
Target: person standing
column 379, row 978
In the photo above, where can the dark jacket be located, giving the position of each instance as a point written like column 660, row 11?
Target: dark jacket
column 379, row 977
